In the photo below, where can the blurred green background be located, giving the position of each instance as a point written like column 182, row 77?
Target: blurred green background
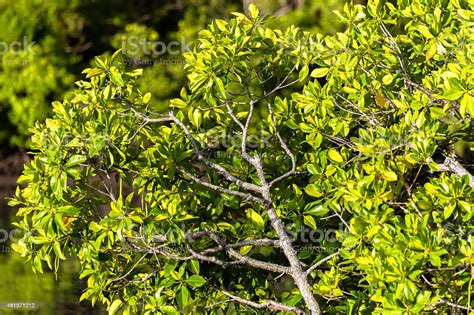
column 44, row 46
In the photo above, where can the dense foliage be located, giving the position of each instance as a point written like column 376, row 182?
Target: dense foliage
column 296, row 172
column 45, row 44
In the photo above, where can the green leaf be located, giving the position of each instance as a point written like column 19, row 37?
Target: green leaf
column 107, row 92
column 319, row 72
column 220, row 87
column 136, row 73
column 241, row 17
column 20, row 248
column 69, row 210
column 58, row 184
column 313, row 190
column 431, row 51
column 253, row 10
column 169, row 310
column 424, row 30
column 195, row 281
column 116, row 77
column 387, row 79
column 318, row 211
column 466, row 105
column 466, row 206
column 453, row 94
column 309, row 221
column 435, row 260
column 37, row 264
column 57, row 250
column 255, row 218
column 92, row 72
column 179, row 103
column 146, row 98
column 437, row 112
column 448, row 210
column 244, row 250
column 303, row 73
column 182, row 297
column 75, row 159
column 100, row 62
column 115, row 55
column 335, row 156
column 221, row 25
column 196, row 118
column 115, row 306
column 194, row 266
column 389, row 175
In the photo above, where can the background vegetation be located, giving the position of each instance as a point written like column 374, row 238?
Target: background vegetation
column 58, row 39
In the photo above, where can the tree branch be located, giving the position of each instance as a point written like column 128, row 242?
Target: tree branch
column 270, row 305
column 322, row 261
column 239, row 257
column 450, row 164
column 284, row 147
column 245, row 196
column 223, row 171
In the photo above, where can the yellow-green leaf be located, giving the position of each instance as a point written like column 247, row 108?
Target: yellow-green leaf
column 389, row 175
column 312, row 190
column 253, row 10
column 255, row 217
column 425, row 31
column 303, row 73
column 319, row 72
column 431, row 50
column 387, row 79
column 19, row 247
column 114, row 307
column 335, row 156
column 309, row 221
column 221, row 24
column 179, row 103
column 146, row 98
column 244, row 250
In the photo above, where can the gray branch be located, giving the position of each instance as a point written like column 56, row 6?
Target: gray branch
column 267, row 304
column 450, row 164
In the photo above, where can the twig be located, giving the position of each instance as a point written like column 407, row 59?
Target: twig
column 245, row 196
column 450, row 164
column 284, row 146
column 271, row 305
column 322, row 261
column 223, row 171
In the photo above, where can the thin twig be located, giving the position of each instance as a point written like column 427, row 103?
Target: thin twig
column 267, row 304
